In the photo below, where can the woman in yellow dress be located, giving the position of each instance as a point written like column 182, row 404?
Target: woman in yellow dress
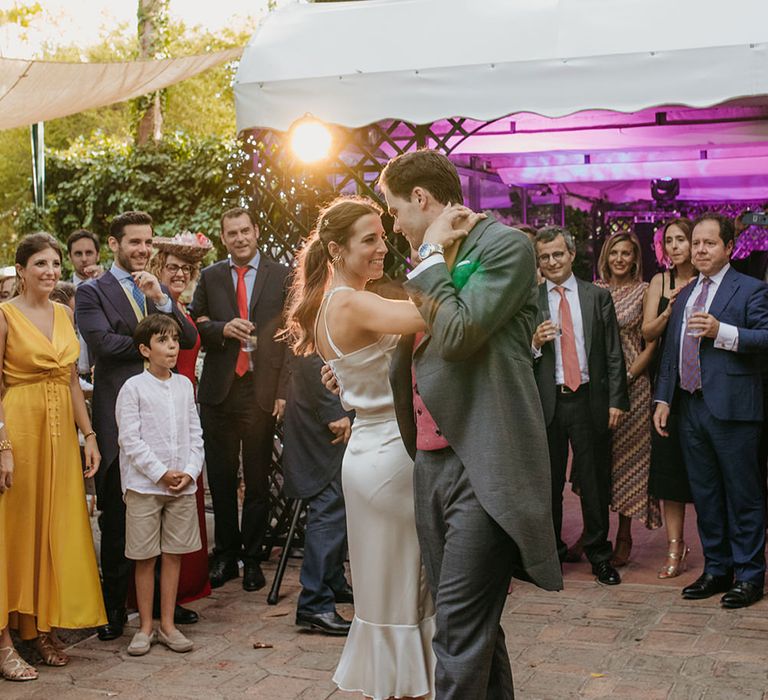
column 48, row 573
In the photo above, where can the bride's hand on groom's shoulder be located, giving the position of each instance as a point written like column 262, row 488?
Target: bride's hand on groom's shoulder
column 329, row 380
column 453, row 224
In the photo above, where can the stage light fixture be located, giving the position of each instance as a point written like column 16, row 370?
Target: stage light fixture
column 310, row 140
column 665, row 190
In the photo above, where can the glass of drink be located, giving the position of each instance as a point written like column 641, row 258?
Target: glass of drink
column 689, row 311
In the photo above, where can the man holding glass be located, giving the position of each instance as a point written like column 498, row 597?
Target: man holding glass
column 711, row 366
column 581, row 377
column 237, row 306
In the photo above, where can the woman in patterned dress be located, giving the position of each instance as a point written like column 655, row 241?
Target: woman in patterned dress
column 620, row 268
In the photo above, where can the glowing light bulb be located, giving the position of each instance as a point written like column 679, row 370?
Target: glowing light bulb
column 310, row 140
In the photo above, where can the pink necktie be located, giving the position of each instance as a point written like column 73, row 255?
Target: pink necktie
column 568, row 354
column 690, row 368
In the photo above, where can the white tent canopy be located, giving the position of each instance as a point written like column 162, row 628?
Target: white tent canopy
column 355, row 63
column 34, row 91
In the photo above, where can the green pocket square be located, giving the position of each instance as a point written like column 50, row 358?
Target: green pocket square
column 462, row 271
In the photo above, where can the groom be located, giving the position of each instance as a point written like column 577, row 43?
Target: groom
column 469, row 413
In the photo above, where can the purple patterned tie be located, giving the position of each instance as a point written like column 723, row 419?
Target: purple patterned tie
column 690, row 369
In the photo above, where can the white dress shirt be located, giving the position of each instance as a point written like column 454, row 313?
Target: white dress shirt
column 159, row 430
column 727, row 335
column 126, row 282
column 250, row 276
column 572, row 295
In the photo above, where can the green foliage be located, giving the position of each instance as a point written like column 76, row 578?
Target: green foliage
column 181, row 182
column 199, row 123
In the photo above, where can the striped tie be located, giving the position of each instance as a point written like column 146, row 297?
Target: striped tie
column 690, row 368
column 138, row 297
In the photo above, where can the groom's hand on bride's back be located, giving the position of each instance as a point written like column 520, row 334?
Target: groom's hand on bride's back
column 341, row 429
column 329, row 380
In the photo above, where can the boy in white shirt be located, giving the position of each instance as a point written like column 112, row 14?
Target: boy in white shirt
column 161, row 456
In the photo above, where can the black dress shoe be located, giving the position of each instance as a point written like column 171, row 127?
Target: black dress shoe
column 606, row 574
column 706, row 586
column 327, row 623
column 253, row 578
column 116, row 619
column 344, row 595
column 222, row 571
column 742, row 595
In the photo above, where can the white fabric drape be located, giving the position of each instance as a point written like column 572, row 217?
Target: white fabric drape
column 34, row 91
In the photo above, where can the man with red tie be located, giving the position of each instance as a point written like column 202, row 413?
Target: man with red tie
column 582, row 382
column 238, row 306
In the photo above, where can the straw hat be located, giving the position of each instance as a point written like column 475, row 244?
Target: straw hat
column 190, row 246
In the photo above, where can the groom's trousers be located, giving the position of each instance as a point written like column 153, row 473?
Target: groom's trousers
column 468, row 560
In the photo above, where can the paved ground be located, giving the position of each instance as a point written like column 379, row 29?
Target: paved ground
column 636, row 640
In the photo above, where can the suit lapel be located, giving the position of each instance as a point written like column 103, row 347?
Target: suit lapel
column 469, row 243
column 676, row 320
column 113, row 290
column 725, row 291
column 225, row 280
column 587, row 304
column 261, row 279
column 465, row 249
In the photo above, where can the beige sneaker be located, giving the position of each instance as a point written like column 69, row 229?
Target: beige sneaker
column 141, row 643
column 175, row 641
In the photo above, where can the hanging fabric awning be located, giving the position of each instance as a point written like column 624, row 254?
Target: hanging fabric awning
column 355, row 63
column 34, row 91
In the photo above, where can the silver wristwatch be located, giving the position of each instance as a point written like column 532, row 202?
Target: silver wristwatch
column 427, row 249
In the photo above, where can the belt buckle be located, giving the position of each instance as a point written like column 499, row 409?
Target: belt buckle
column 563, row 389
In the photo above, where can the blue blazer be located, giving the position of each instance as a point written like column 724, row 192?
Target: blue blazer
column 106, row 321
column 731, row 381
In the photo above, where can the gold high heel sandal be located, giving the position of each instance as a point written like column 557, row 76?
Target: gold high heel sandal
column 678, row 559
column 50, row 653
column 14, row 668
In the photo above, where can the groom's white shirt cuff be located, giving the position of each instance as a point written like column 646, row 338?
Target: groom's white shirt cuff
column 432, row 260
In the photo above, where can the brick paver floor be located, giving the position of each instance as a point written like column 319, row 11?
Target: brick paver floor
column 637, row 640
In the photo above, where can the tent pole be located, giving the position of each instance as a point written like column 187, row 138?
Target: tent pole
column 37, row 135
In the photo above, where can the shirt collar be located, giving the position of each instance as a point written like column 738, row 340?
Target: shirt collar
column 717, row 278
column 120, row 274
column 252, row 263
column 569, row 284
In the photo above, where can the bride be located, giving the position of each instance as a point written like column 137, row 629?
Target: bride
column 388, row 653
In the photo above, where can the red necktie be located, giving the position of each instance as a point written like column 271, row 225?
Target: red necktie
column 568, row 354
column 242, row 306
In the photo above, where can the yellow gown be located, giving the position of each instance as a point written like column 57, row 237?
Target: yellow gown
column 48, row 572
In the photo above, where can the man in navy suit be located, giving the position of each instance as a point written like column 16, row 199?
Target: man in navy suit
column 107, row 311
column 711, row 366
column 238, row 306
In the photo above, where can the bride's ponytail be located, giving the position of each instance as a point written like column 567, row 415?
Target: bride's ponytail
column 313, row 272
column 313, row 268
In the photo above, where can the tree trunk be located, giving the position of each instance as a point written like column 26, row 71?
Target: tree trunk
column 152, row 16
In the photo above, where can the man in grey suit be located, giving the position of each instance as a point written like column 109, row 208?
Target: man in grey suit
column 472, row 418
column 582, row 382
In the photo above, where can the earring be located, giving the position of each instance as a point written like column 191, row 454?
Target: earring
column 337, row 260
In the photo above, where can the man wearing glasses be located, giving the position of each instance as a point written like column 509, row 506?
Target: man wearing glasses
column 581, row 377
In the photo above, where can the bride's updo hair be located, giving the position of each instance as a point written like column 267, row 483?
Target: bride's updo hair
column 313, row 267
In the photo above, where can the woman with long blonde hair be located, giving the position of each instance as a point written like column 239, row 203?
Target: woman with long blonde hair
column 621, row 272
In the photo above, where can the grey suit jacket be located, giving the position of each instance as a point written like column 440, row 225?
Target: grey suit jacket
column 475, row 373
column 605, row 359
